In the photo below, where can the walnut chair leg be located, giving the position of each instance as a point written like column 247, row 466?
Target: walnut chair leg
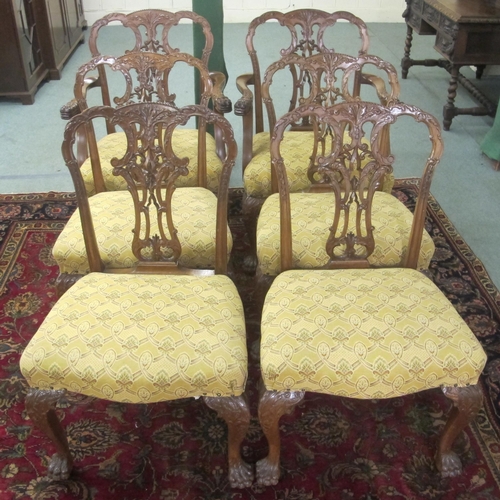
column 40, row 406
column 272, row 406
column 236, row 413
column 251, row 210
column 65, row 281
column 467, row 403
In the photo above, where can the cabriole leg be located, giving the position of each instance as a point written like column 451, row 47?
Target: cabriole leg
column 235, row 412
column 272, row 405
column 467, row 403
column 40, row 406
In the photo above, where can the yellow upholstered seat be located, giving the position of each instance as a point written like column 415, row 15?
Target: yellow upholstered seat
column 312, row 216
column 194, row 214
column 364, row 333
column 296, row 151
column 184, row 142
column 142, row 339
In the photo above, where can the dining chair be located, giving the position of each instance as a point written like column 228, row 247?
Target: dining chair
column 341, row 326
column 151, row 31
column 156, row 331
column 311, row 32
column 193, row 208
column 311, row 207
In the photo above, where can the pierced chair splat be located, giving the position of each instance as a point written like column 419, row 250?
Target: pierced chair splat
column 309, row 30
column 151, row 32
column 193, row 206
column 155, row 331
column 344, row 328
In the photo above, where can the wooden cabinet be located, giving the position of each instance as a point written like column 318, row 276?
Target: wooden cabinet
column 21, row 65
column 36, row 38
column 61, row 30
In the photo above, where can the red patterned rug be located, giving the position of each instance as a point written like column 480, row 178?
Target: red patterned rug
column 333, row 448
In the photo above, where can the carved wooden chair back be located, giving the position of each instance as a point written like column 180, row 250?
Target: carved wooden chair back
column 335, row 167
column 325, row 71
column 307, row 29
column 332, row 78
column 151, row 29
column 150, row 168
column 146, row 76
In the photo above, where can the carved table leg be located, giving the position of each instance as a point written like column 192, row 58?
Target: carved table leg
column 272, row 405
column 406, row 61
column 467, row 403
column 40, row 406
column 449, row 109
column 235, row 412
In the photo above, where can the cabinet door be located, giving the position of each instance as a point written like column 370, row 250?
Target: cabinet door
column 58, row 29
column 21, row 65
column 28, row 36
column 74, row 19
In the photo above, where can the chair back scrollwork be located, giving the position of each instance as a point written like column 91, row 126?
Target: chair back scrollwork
column 150, row 168
column 335, row 168
column 330, row 76
column 307, row 29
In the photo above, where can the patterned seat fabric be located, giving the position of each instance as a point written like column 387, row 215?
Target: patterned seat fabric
column 312, row 216
column 296, row 151
column 376, row 333
column 142, row 339
column 185, row 145
column 194, row 216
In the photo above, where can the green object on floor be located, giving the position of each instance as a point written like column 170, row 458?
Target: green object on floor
column 491, row 142
column 213, row 12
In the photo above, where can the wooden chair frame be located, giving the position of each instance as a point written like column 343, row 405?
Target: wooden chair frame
column 152, row 20
column 322, row 72
column 355, row 193
column 306, row 19
column 152, row 78
column 150, row 169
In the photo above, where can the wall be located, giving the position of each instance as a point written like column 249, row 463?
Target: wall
column 243, row 11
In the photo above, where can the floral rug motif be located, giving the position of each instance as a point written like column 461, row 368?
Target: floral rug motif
column 332, row 448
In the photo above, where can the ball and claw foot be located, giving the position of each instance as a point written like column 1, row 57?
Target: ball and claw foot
column 241, row 475
column 268, row 474
column 449, row 464
column 59, row 467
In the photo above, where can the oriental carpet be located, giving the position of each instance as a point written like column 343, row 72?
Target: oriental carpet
column 332, row 448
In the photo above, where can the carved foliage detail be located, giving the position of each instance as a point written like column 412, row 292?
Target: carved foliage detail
column 151, row 28
column 320, row 75
column 150, row 166
column 149, row 71
column 348, row 160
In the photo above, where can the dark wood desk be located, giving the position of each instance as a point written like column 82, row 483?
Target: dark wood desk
column 467, row 33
